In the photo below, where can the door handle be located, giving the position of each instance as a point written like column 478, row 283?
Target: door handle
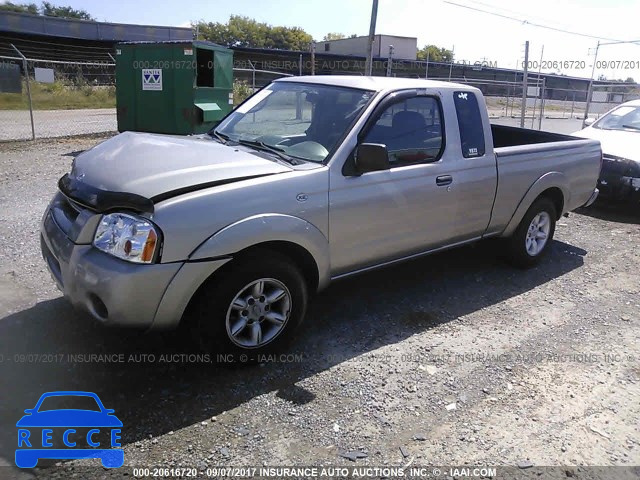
column 443, row 180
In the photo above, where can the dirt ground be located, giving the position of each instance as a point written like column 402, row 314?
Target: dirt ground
column 454, row 359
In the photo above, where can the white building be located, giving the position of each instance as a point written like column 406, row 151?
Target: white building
column 404, row 48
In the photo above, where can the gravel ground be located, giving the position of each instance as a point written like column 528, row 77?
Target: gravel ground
column 455, row 359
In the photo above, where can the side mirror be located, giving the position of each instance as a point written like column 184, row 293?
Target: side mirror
column 588, row 121
column 371, row 157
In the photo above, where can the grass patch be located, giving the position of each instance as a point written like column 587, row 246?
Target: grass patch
column 60, row 96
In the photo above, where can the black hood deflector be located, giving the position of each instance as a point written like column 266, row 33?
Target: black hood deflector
column 103, row 201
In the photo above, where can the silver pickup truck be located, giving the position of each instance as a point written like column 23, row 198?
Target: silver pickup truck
column 310, row 180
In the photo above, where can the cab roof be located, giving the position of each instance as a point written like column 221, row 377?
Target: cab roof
column 376, row 83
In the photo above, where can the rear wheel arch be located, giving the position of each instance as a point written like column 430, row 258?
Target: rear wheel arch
column 531, row 240
column 557, row 197
column 552, row 185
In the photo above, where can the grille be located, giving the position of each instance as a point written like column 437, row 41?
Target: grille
column 65, row 212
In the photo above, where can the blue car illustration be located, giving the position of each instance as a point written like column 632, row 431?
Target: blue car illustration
column 40, row 427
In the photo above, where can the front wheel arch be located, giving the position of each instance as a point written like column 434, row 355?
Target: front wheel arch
column 210, row 306
column 298, row 255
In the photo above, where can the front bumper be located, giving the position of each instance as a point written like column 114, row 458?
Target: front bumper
column 620, row 179
column 113, row 291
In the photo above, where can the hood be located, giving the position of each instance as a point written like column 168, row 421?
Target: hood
column 150, row 165
column 614, row 142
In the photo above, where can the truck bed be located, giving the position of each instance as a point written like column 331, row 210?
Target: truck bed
column 504, row 136
column 523, row 156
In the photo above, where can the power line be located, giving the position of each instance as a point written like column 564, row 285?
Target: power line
column 519, row 13
column 533, row 24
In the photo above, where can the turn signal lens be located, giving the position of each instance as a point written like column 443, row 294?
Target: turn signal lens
column 149, row 247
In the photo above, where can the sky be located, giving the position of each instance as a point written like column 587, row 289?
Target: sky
column 473, row 34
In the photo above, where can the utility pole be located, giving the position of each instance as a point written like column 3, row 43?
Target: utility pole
column 390, row 61
column 535, row 99
column 593, row 70
column 451, row 64
column 515, row 86
column 313, row 58
column 590, row 89
column 426, row 69
column 523, row 107
column 368, row 69
column 544, row 85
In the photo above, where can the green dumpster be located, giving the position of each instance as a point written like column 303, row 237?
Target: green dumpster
column 179, row 87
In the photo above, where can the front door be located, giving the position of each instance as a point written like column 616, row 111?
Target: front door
column 384, row 215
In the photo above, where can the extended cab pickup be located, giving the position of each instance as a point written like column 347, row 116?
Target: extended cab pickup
column 310, row 180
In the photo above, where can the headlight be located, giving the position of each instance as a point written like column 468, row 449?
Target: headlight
column 128, row 237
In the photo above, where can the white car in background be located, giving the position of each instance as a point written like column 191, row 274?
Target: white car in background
column 619, row 133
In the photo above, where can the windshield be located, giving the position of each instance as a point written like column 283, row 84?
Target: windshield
column 301, row 120
column 622, row 118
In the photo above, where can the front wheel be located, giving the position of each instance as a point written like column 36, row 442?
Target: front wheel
column 251, row 308
column 531, row 240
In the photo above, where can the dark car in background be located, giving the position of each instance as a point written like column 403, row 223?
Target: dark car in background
column 619, row 134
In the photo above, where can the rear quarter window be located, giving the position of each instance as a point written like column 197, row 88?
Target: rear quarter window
column 470, row 124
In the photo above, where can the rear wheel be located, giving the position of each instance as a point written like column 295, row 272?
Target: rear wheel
column 253, row 307
column 531, row 240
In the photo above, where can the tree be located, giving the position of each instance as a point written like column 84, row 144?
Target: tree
column 436, row 54
column 333, row 36
column 49, row 10
column 20, row 8
column 242, row 31
column 337, row 36
column 630, row 80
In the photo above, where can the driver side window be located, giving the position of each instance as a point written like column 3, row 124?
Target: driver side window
column 411, row 129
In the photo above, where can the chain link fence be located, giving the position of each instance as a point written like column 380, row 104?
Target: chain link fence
column 47, row 98
column 58, row 100
column 55, row 89
column 561, row 110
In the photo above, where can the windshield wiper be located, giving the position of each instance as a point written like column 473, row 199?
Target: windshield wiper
column 631, row 126
column 269, row 148
column 222, row 138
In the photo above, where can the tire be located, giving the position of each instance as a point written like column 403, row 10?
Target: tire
column 233, row 315
column 524, row 249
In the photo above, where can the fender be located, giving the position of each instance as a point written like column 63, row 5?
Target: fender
column 267, row 228
column 546, row 181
